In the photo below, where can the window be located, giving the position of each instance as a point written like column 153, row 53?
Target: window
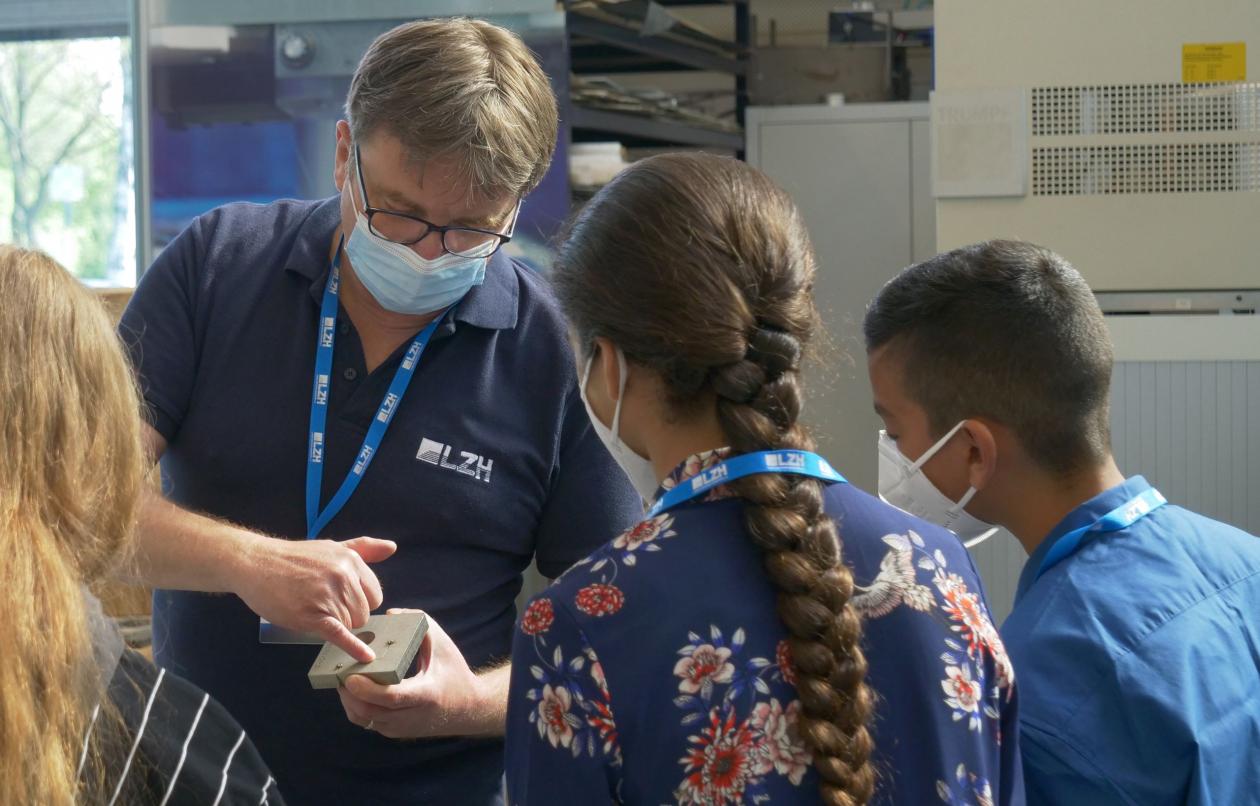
column 66, row 154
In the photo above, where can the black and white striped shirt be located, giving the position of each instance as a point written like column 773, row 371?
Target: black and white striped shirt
column 178, row 746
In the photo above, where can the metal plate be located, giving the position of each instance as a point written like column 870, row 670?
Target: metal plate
column 394, row 638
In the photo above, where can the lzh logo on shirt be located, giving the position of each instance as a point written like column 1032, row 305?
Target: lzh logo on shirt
column 438, row 453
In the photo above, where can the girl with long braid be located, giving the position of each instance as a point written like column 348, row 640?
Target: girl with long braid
column 768, row 633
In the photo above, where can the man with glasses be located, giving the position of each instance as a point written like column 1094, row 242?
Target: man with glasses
column 373, row 374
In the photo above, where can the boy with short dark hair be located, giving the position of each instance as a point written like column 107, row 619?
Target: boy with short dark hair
column 1134, row 632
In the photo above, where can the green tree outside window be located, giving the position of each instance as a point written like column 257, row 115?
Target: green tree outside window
column 66, row 174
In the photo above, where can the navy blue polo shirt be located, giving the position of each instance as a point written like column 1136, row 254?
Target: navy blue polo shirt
column 490, row 462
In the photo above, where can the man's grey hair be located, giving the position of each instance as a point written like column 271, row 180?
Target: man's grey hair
column 462, row 89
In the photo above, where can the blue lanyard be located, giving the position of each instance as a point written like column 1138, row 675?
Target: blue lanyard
column 1122, row 517
column 316, row 520
column 799, row 463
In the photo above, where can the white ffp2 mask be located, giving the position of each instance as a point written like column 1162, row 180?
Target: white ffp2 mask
column 639, row 470
column 903, row 484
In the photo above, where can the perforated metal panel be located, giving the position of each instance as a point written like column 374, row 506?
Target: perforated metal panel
column 1145, row 109
column 1130, row 114
column 1158, row 168
column 1111, row 74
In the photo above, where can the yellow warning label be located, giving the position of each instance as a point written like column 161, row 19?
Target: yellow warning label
column 1215, row 61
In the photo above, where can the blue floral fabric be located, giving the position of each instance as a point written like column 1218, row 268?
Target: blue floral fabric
column 657, row 670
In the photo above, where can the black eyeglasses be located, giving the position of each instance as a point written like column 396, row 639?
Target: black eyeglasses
column 407, row 230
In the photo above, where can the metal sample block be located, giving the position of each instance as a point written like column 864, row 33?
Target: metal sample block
column 394, row 638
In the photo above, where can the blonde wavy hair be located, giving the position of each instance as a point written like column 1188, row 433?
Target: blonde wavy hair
column 73, row 468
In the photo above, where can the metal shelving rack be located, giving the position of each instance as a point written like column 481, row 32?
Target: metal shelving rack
column 604, row 44
column 636, row 130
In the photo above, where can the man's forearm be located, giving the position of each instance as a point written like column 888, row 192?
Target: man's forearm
column 490, row 718
column 182, row 550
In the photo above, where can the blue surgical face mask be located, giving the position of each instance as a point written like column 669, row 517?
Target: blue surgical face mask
column 403, row 281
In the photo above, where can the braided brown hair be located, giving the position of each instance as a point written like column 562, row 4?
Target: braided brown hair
column 699, row 268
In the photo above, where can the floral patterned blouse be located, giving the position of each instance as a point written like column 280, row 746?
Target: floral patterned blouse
column 657, row 671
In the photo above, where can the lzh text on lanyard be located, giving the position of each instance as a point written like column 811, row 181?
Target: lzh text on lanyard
column 798, row 463
column 326, row 337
